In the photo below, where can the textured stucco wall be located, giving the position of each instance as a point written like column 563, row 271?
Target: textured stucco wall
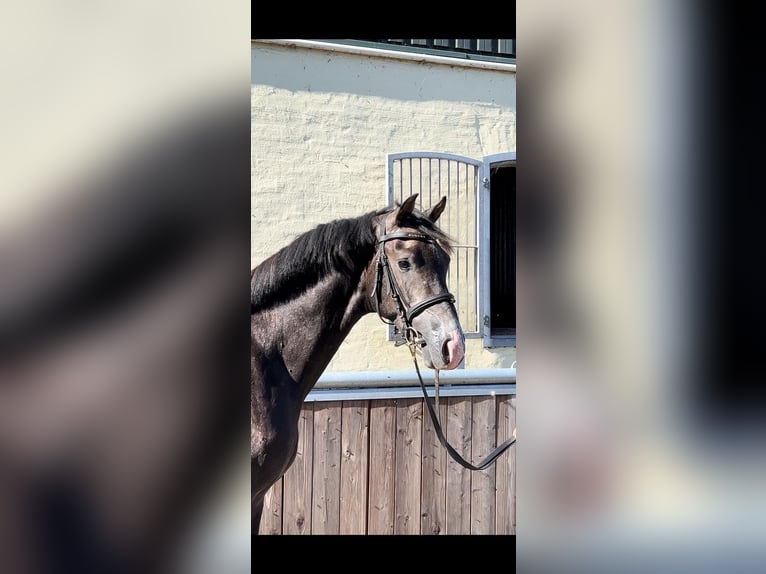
column 322, row 126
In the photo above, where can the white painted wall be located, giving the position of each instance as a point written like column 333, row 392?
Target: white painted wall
column 322, row 126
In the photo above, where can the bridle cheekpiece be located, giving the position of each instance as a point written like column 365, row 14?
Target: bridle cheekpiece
column 383, row 269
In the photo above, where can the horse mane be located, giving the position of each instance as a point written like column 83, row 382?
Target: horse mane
column 344, row 246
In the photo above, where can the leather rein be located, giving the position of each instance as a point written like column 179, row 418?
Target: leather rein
column 413, row 339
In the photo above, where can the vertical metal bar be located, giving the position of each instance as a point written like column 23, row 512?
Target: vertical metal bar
column 420, row 183
column 467, row 212
column 457, row 201
column 439, row 168
column 457, row 226
column 392, row 184
column 484, row 224
column 410, row 193
column 476, row 227
column 430, row 169
column 466, row 304
column 401, row 188
column 449, row 195
column 449, row 209
column 410, row 164
column 401, row 180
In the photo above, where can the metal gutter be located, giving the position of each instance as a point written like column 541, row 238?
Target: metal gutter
column 391, row 54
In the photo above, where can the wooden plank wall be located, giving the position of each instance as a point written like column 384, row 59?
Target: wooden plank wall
column 377, row 467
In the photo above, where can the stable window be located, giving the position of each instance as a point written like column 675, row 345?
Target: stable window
column 498, row 248
column 480, row 217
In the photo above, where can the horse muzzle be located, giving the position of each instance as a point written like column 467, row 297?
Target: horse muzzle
column 443, row 350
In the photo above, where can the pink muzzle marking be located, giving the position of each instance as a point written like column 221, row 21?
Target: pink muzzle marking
column 456, row 349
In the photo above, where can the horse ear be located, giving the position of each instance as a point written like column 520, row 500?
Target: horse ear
column 434, row 212
column 406, row 207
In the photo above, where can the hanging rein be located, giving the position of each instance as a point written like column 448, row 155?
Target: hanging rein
column 413, row 339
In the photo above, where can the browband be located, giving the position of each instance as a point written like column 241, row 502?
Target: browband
column 404, row 235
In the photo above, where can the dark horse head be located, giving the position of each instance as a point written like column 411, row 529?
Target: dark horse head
column 416, row 257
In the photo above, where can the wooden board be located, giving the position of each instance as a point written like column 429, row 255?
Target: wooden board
column 483, row 481
column 380, row 511
column 409, row 424
column 298, row 478
column 505, row 468
column 325, row 515
column 434, row 475
column 271, row 519
column 458, row 434
column 353, row 468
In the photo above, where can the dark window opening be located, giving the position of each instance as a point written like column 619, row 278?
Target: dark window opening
column 502, row 230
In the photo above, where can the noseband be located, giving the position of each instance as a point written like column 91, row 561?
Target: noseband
column 383, row 268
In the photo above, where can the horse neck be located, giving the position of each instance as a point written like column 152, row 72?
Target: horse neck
column 321, row 319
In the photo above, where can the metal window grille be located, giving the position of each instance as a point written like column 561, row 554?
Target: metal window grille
column 432, row 176
column 503, row 48
column 506, row 47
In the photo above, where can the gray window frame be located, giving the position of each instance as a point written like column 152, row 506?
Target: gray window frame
column 489, row 339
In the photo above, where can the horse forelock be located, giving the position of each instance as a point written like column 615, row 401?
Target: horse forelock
column 422, row 224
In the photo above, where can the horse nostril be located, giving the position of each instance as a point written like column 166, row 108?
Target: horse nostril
column 445, row 350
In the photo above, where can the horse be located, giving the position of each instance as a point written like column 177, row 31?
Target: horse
column 305, row 299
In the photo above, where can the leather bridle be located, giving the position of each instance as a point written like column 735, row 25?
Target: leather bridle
column 383, row 269
column 413, row 338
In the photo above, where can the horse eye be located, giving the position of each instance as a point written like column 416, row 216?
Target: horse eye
column 404, row 265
